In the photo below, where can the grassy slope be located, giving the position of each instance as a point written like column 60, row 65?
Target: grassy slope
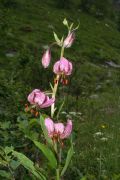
column 96, row 42
column 94, row 37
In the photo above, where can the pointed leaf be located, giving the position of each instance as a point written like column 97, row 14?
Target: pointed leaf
column 65, row 22
column 51, row 86
column 71, row 27
column 28, row 164
column 61, row 106
column 3, row 162
column 56, row 38
column 76, row 27
column 8, row 150
column 48, row 153
column 68, row 159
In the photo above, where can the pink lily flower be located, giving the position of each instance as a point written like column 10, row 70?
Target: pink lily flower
column 63, row 67
column 58, row 130
column 40, row 99
column 46, row 58
column 69, row 40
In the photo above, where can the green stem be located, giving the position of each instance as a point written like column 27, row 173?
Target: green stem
column 57, row 174
column 54, row 95
column 62, row 51
column 56, row 86
column 60, row 153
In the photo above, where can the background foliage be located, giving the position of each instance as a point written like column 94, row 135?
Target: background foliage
column 92, row 96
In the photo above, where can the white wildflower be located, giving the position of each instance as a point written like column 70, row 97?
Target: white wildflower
column 99, row 133
column 104, row 139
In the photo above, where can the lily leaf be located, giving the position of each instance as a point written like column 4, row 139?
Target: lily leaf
column 76, row 27
column 57, row 39
column 28, row 164
column 48, row 153
column 51, row 86
column 8, row 150
column 68, row 159
column 61, row 106
column 71, row 27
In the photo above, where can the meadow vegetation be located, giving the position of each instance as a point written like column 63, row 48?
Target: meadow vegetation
column 92, row 97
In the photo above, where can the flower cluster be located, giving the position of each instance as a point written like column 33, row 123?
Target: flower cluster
column 63, row 65
column 62, row 68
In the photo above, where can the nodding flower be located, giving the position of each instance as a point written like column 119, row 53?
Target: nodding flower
column 46, row 58
column 69, row 40
column 57, row 131
column 40, row 99
column 63, row 67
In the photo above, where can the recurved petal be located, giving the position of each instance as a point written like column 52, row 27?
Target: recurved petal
column 67, row 131
column 64, row 65
column 39, row 98
column 70, row 69
column 48, row 103
column 56, row 67
column 63, row 61
column 59, row 128
column 49, row 124
column 31, row 96
column 69, row 40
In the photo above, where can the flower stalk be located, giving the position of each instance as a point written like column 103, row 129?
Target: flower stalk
column 57, row 131
column 57, row 174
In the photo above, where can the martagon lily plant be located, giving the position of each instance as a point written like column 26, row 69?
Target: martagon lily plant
column 55, row 132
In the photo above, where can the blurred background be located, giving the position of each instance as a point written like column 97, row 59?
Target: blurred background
column 92, row 97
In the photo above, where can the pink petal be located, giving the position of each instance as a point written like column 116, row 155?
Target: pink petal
column 63, row 64
column 39, row 98
column 69, row 40
column 49, row 126
column 59, row 128
column 32, row 95
column 70, row 69
column 67, row 66
column 68, row 130
column 56, row 67
column 48, row 103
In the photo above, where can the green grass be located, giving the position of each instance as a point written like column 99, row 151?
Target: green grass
column 97, row 41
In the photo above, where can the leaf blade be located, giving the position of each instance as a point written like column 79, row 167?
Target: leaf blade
column 28, row 164
column 68, row 159
column 48, row 153
column 56, row 38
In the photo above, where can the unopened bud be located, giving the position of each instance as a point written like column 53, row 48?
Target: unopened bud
column 69, row 40
column 46, row 58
